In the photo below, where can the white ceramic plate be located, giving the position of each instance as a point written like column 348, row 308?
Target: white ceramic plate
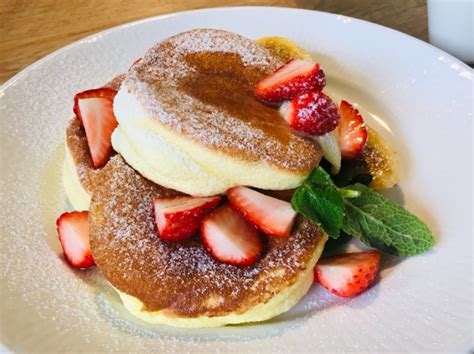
column 418, row 96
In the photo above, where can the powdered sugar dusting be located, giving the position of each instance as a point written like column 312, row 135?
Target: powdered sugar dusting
column 166, row 275
column 221, row 41
column 177, row 83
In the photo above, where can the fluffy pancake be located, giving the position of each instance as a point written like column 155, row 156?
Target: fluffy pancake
column 195, row 93
column 179, row 283
column 78, row 171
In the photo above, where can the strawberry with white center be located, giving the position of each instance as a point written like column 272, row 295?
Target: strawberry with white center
column 312, row 113
column 178, row 218
column 230, row 238
column 352, row 133
column 293, row 78
column 272, row 216
column 94, row 108
column 73, row 232
column 348, row 274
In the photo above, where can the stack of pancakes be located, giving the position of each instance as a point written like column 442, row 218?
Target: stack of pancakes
column 189, row 124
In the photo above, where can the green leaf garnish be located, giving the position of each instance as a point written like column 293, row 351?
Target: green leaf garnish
column 319, row 201
column 382, row 224
column 361, row 212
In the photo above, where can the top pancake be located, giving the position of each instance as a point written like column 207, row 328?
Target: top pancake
column 200, row 85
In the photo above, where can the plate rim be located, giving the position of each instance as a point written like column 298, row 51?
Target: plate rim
column 102, row 34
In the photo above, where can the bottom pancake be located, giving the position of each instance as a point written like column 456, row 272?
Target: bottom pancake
column 179, row 283
column 278, row 304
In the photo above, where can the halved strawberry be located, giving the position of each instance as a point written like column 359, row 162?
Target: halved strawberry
column 352, row 132
column 312, row 113
column 73, row 231
column 94, row 108
column 178, row 218
column 293, row 78
column 272, row 216
column 348, row 274
column 230, row 238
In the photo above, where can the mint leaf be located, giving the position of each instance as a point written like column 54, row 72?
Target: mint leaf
column 382, row 224
column 319, row 201
column 320, row 177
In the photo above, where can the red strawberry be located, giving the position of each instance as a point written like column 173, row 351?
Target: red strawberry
column 293, row 78
column 348, row 274
column 272, row 216
column 352, row 133
column 312, row 113
column 94, row 110
column 230, row 238
column 178, row 218
column 73, row 231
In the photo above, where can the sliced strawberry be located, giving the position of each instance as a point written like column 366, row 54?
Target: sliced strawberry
column 348, row 274
column 272, row 216
column 293, row 78
column 94, row 108
column 230, row 238
column 312, row 113
column 178, row 218
column 352, row 132
column 73, row 231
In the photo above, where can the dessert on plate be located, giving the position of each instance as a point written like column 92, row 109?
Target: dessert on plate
column 200, row 186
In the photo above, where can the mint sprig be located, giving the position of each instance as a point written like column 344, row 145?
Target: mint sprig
column 380, row 223
column 361, row 212
column 319, row 200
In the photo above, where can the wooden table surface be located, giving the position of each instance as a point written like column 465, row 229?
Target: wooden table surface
column 30, row 29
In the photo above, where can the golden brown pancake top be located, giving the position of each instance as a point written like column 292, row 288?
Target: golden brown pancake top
column 200, row 84
column 181, row 277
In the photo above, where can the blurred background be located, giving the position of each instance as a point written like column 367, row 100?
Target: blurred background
column 30, row 29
